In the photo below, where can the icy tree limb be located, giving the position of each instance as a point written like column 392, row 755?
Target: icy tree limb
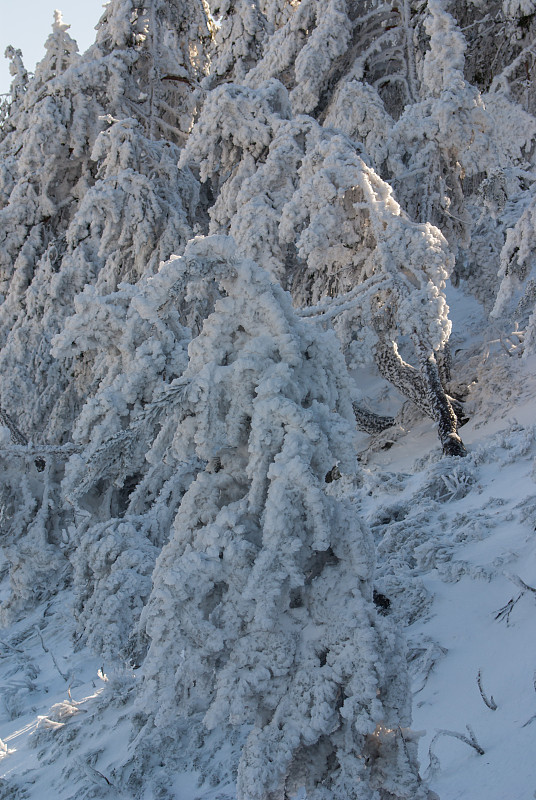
column 444, row 363
column 470, row 740
column 369, row 422
column 443, row 411
column 402, row 375
column 500, row 82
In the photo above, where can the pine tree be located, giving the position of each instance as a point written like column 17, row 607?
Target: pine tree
column 86, row 207
column 238, row 620
column 110, row 202
column 9, row 104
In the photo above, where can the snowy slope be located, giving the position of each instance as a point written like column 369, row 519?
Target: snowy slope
column 457, row 545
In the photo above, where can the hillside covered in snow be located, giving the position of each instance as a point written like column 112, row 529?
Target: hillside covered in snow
column 267, row 430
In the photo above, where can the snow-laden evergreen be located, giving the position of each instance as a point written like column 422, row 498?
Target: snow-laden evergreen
column 238, row 620
column 106, row 204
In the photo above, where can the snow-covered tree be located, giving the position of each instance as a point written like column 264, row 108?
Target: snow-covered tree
column 515, row 304
column 129, row 474
column 9, row 103
column 84, row 207
column 303, row 200
column 177, row 432
column 152, row 57
column 110, row 204
column 50, row 161
column 241, row 623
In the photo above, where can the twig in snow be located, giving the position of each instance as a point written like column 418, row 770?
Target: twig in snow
column 470, row 740
column 93, row 773
column 51, row 654
column 490, row 702
column 434, row 764
column 506, row 610
column 529, row 721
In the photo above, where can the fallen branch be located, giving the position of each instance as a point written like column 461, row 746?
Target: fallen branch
column 489, row 702
column 507, row 609
column 470, row 740
column 521, row 583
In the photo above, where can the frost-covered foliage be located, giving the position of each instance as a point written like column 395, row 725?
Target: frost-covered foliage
column 100, row 206
column 312, row 193
column 30, row 528
column 304, row 197
column 137, row 213
column 130, row 473
column 238, row 39
column 238, row 619
column 150, row 59
column 443, row 138
column 300, row 53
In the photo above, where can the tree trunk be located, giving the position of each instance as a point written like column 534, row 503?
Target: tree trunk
column 423, row 387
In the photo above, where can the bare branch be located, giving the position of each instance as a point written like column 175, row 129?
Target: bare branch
column 470, row 740
column 506, row 610
column 490, row 702
column 51, row 654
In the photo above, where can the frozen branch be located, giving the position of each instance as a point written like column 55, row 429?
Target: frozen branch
column 469, row 740
column 16, row 436
column 369, row 422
